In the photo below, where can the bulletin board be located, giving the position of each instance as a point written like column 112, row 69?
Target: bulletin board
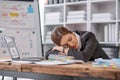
column 21, row 20
column 17, row 14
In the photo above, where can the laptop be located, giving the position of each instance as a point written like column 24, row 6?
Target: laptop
column 14, row 53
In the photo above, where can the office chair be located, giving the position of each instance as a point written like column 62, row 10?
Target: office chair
column 111, row 51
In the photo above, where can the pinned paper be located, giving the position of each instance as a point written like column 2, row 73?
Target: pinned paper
column 14, row 14
column 30, row 9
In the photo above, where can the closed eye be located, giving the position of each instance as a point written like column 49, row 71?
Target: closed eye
column 69, row 39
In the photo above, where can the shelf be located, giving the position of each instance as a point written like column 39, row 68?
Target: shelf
column 54, row 5
column 112, row 21
column 77, row 3
column 80, row 22
column 102, row 1
column 89, row 23
column 118, row 20
column 53, row 24
column 107, row 42
column 47, row 43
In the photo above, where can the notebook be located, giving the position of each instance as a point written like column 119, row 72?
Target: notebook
column 14, row 53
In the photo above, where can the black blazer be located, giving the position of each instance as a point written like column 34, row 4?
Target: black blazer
column 90, row 49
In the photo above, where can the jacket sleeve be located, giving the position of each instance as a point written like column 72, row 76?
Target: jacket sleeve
column 88, row 51
column 51, row 52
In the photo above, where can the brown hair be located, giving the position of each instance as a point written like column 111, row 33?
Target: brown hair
column 57, row 34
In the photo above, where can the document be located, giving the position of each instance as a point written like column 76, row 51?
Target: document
column 57, row 62
column 51, row 62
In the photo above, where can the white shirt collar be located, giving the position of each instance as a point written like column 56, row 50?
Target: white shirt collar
column 79, row 40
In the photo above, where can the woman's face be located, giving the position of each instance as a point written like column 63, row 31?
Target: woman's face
column 69, row 40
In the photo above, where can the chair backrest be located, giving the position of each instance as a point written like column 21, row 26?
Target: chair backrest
column 111, row 51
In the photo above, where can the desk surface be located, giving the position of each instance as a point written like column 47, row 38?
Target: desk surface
column 10, row 66
column 79, row 70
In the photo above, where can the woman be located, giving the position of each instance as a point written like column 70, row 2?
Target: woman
column 82, row 45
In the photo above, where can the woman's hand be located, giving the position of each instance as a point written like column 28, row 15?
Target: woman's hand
column 60, row 48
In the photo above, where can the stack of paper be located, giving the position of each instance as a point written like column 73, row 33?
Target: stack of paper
column 55, row 1
column 51, row 62
column 76, row 16
column 57, row 62
column 48, row 37
column 111, row 63
column 110, row 34
column 53, row 17
column 102, row 17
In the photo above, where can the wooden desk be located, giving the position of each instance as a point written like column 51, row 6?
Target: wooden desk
column 10, row 66
column 15, row 70
column 79, row 70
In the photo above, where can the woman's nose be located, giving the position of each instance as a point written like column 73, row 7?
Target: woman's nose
column 71, row 44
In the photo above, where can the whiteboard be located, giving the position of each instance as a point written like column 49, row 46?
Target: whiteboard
column 21, row 18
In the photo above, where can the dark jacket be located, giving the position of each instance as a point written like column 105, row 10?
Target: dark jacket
column 90, row 49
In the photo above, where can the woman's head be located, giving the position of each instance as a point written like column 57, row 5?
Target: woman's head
column 62, row 36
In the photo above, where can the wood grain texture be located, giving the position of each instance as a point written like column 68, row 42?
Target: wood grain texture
column 118, row 76
column 10, row 66
column 79, row 70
